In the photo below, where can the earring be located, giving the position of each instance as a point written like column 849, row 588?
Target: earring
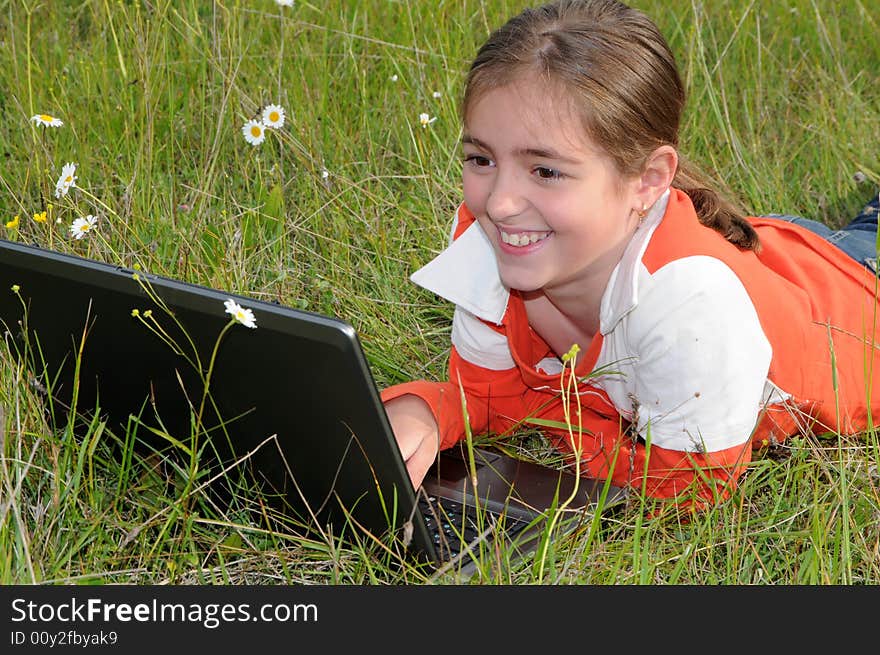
column 641, row 214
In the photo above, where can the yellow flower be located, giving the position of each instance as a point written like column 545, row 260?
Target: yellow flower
column 40, row 217
column 572, row 353
column 13, row 224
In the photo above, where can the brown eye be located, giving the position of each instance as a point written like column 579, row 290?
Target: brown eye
column 478, row 160
column 547, row 173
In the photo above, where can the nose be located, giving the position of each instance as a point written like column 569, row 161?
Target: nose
column 506, row 197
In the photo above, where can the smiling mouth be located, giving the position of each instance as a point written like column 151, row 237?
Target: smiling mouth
column 521, row 239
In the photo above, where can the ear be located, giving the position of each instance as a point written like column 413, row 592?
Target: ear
column 656, row 176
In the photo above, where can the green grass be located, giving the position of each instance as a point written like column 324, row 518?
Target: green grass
column 784, row 108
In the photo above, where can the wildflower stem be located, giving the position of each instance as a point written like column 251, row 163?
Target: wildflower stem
column 194, row 361
column 116, row 42
column 30, row 84
column 210, row 371
column 568, row 386
column 39, row 152
column 110, row 211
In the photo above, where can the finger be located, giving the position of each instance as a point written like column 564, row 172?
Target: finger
column 408, row 444
column 421, row 460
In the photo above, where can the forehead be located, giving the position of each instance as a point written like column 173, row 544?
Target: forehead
column 528, row 110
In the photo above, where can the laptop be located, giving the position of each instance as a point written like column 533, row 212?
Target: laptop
column 294, row 398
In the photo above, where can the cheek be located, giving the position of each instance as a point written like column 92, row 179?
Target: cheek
column 474, row 192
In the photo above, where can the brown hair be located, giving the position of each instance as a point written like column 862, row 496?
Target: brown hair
column 612, row 61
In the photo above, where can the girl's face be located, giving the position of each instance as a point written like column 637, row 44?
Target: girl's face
column 557, row 212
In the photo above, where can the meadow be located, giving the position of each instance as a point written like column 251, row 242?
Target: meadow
column 333, row 209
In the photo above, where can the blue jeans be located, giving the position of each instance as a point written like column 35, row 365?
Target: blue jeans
column 858, row 239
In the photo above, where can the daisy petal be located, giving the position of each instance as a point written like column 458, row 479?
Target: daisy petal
column 254, row 132
column 82, row 226
column 240, row 314
column 273, row 116
column 46, row 120
column 66, row 180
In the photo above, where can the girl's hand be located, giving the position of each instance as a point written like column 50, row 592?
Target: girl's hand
column 416, row 432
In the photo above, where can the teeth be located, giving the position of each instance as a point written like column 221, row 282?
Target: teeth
column 522, row 238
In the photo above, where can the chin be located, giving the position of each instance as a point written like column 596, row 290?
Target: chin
column 521, row 282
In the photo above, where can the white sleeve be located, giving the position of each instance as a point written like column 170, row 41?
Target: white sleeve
column 702, row 358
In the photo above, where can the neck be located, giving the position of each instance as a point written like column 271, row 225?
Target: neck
column 580, row 298
column 579, row 306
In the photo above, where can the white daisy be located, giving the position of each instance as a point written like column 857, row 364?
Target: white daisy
column 240, row 314
column 254, row 132
column 273, row 116
column 426, row 120
column 83, row 226
column 46, row 120
column 284, row 3
column 437, row 94
column 66, row 181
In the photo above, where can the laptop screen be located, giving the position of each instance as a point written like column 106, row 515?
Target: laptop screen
column 294, row 397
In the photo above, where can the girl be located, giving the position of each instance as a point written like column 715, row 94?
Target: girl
column 584, row 242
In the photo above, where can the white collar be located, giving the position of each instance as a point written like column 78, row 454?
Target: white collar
column 622, row 291
column 466, row 273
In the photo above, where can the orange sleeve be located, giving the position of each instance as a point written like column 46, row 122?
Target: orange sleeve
column 694, row 479
column 442, row 398
column 495, row 400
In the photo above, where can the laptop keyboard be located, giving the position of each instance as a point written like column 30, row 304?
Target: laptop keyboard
column 453, row 525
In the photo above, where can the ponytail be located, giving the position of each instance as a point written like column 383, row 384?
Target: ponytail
column 715, row 210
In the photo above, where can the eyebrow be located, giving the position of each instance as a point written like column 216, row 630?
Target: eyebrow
column 541, row 153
